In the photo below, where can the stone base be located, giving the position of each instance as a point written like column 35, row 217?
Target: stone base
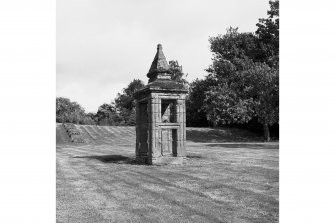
column 163, row 160
column 142, row 159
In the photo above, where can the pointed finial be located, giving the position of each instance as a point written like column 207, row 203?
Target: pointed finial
column 159, row 67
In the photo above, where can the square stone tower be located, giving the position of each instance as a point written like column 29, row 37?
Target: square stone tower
column 160, row 116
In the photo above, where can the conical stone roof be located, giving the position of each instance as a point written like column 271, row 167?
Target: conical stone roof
column 160, row 78
column 159, row 65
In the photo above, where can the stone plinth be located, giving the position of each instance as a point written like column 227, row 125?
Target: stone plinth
column 161, row 116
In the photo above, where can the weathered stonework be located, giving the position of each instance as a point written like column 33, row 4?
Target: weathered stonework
column 161, row 116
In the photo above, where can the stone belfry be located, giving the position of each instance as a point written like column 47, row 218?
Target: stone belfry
column 160, row 116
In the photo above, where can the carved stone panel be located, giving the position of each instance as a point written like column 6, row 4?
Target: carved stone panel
column 166, row 142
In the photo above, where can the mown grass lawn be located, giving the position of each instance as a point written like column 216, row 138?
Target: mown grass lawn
column 221, row 180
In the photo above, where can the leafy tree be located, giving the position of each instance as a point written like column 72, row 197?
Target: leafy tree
column 268, row 34
column 126, row 98
column 177, row 71
column 246, row 75
column 233, row 48
column 125, row 102
column 224, row 106
column 107, row 115
column 268, row 29
column 90, row 118
column 195, row 113
column 223, row 102
column 254, row 95
column 63, row 105
column 262, row 85
column 67, row 111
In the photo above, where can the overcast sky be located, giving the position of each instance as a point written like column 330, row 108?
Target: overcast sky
column 102, row 45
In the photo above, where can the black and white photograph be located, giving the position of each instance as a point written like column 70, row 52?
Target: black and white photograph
column 166, row 111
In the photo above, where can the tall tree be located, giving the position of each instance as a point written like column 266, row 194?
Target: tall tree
column 268, row 35
column 261, row 86
column 246, row 74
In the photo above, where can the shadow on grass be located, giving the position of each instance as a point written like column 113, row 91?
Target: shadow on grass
column 119, row 159
column 194, row 156
column 264, row 146
column 221, row 135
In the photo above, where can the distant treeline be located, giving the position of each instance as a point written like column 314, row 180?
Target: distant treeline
column 121, row 111
column 240, row 89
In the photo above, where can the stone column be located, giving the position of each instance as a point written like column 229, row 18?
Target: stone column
column 138, row 128
column 154, row 118
column 182, row 129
